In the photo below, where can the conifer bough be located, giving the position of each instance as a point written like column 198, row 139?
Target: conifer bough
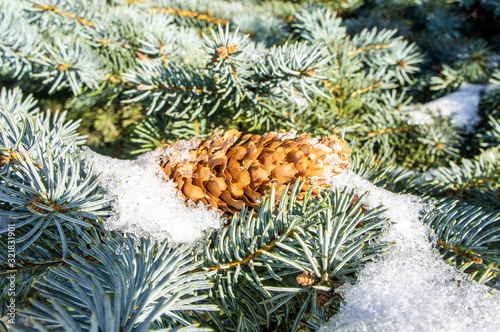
column 226, row 173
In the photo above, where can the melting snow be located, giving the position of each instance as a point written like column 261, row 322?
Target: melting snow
column 146, row 205
column 179, row 152
column 287, row 135
column 5, row 221
column 411, row 288
column 461, row 105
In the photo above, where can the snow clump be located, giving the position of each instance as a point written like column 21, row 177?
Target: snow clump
column 147, row 205
column 462, row 106
column 410, row 288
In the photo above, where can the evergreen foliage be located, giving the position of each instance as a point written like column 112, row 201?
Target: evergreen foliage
column 131, row 76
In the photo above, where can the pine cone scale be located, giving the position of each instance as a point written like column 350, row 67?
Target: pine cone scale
column 193, row 192
column 284, row 173
column 251, row 195
column 258, row 174
column 236, row 189
column 230, row 201
column 216, row 186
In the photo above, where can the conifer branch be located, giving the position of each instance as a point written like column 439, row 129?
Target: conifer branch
column 390, row 131
column 58, row 11
column 367, row 48
column 363, row 90
column 356, row 69
column 285, row 249
column 192, row 14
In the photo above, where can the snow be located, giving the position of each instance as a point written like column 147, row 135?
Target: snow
column 179, row 152
column 494, row 60
column 461, row 105
column 147, row 205
column 410, row 288
column 255, row 55
column 5, row 221
column 287, row 135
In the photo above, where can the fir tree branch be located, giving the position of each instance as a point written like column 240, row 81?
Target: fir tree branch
column 390, row 131
column 282, row 246
column 368, row 88
column 192, row 14
column 466, row 235
column 123, row 297
column 368, row 48
column 53, row 9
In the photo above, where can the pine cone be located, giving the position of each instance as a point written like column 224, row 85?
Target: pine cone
column 322, row 297
column 222, row 53
column 226, row 173
column 4, row 159
column 306, row 279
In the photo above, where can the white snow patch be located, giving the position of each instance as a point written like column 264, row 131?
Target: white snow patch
column 411, row 288
column 492, row 89
column 462, row 106
column 147, row 205
column 287, row 135
column 5, row 221
column 494, row 60
column 302, row 103
column 257, row 55
column 419, row 116
column 179, row 152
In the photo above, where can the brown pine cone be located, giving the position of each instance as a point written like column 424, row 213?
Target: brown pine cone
column 322, row 297
column 306, row 279
column 226, row 173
